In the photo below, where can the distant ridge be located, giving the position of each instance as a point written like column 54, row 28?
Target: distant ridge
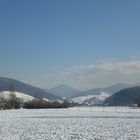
column 97, row 91
column 63, row 91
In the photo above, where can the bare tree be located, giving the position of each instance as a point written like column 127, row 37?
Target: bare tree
column 12, row 96
column 2, row 102
column 137, row 100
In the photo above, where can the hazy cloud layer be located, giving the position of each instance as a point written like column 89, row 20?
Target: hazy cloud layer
column 104, row 74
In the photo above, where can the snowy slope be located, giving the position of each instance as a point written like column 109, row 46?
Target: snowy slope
column 81, row 99
column 25, row 97
column 21, row 87
column 91, row 99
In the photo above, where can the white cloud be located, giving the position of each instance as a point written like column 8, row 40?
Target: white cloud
column 104, row 74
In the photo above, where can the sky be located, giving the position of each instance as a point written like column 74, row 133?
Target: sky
column 81, row 43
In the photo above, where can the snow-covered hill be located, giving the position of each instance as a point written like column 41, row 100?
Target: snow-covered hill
column 91, row 99
column 26, row 89
column 23, row 96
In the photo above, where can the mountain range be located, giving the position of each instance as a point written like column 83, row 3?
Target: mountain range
column 95, row 96
column 119, row 94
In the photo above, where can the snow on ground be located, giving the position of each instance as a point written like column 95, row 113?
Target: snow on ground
column 25, row 97
column 78, row 123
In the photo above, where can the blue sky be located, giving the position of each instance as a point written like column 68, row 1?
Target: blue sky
column 44, row 41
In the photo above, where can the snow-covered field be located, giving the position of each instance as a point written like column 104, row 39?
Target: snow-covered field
column 84, row 123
